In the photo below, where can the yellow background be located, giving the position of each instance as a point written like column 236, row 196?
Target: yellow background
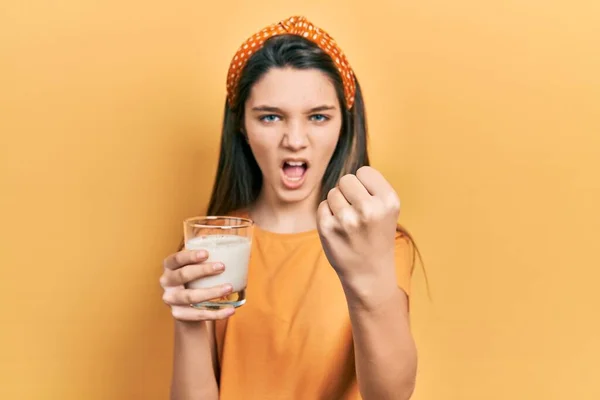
column 483, row 114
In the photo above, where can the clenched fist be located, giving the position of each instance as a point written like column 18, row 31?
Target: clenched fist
column 357, row 227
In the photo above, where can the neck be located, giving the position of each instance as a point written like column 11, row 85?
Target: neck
column 275, row 216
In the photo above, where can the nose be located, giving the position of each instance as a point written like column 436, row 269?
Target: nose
column 295, row 137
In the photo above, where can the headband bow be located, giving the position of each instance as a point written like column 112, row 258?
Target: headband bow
column 299, row 26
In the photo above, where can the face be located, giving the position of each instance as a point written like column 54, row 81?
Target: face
column 292, row 122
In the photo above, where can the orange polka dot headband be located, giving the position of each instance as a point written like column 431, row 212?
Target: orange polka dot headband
column 299, row 26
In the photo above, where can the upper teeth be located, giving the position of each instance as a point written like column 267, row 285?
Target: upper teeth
column 295, row 163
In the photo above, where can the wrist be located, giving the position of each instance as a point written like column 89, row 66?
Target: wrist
column 370, row 292
column 192, row 327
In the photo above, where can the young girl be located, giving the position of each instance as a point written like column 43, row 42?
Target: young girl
column 327, row 310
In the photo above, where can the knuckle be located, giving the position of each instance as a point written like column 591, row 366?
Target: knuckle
column 346, row 179
column 328, row 227
column 167, row 297
column 323, row 208
column 366, row 213
column 177, row 313
column 178, row 258
column 351, row 226
column 325, row 225
column 363, row 170
column 191, row 296
column 350, row 221
column 187, row 296
column 393, row 201
column 331, row 193
column 183, row 275
column 163, row 280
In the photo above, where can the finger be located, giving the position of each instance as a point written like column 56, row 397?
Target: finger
column 180, row 297
column 188, row 273
column 187, row 313
column 325, row 218
column 374, row 181
column 338, row 203
column 353, row 190
column 185, row 257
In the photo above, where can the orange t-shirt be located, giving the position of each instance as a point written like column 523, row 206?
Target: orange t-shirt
column 292, row 339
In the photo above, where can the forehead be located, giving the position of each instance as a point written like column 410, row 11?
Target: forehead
column 291, row 88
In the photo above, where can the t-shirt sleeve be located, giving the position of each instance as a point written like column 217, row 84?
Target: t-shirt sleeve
column 404, row 257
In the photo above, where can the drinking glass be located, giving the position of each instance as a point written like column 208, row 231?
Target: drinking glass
column 227, row 240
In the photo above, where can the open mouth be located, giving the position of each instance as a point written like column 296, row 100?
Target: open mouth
column 293, row 172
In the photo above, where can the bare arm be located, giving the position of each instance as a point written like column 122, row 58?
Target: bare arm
column 357, row 226
column 194, row 355
column 385, row 353
column 194, row 358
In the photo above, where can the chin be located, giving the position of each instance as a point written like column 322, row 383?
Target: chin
column 293, row 197
column 287, row 196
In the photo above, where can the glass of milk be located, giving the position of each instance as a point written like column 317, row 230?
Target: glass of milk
column 227, row 240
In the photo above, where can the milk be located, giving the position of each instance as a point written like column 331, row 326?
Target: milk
column 231, row 250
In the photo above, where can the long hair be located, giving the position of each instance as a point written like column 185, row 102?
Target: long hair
column 238, row 180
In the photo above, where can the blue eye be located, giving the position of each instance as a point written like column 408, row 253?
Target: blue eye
column 319, row 118
column 269, row 118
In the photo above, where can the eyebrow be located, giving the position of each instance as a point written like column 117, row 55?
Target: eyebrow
column 279, row 110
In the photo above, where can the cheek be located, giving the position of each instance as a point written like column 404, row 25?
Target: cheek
column 261, row 147
column 255, row 141
column 326, row 145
